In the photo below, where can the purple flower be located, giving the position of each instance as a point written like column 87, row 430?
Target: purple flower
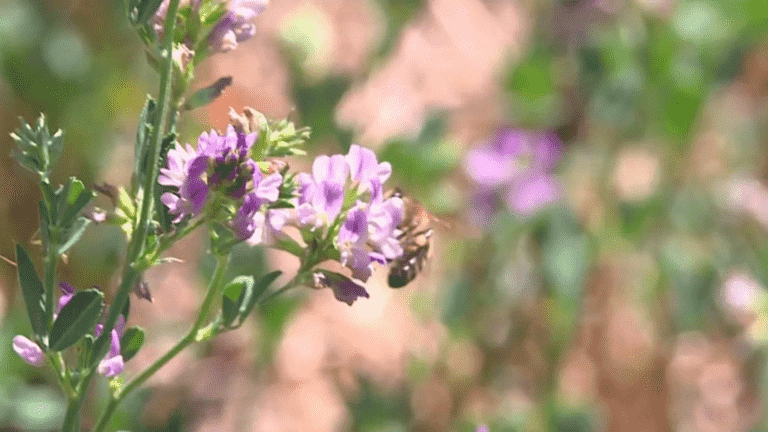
column 321, row 195
column 68, row 291
column 112, row 364
column 221, row 164
column 369, row 235
column 344, row 289
column 184, row 171
column 482, row 428
column 249, row 222
column 383, row 220
column 236, row 25
column 29, row 351
column 517, row 165
column 366, row 169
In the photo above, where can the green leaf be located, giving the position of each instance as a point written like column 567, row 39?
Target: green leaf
column 258, row 290
column 131, row 342
column 236, row 296
column 208, row 94
column 72, row 234
column 52, row 197
column 76, row 319
column 32, row 289
column 145, row 10
column 77, row 199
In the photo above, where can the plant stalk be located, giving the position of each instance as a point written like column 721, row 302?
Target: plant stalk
column 214, row 288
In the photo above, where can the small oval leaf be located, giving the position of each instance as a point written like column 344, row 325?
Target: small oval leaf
column 32, row 289
column 76, row 319
column 258, row 290
column 131, row 342
column 232, row 299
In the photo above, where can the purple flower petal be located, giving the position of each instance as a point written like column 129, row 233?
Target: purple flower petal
column 488, row 167
column 533, row 194
column 29, row 351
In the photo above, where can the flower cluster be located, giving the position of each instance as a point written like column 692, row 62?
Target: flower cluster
column 109, row 366
column 221, row 165
column 340, row 207
column 235, row 26
column 515, row 166
column 367, row 233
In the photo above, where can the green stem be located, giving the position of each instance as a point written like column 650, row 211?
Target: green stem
column 72, row 419
column 138, row 239
column 214, row 287
column 166, row 242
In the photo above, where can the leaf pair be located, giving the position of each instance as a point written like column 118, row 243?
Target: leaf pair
column 241, row 295
column 65, row 205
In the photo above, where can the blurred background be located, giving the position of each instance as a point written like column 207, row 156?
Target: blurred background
column 631, row 298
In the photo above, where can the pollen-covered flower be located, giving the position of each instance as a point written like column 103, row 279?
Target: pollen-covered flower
column 29, row 351
column 516, row 168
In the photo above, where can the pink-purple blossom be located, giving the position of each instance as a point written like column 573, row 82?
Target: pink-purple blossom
column 67, row 292
column 249, row 223
column 321, row 195
column 236, row 26
column 514, row 168
column 112, row 364
column 28, row 350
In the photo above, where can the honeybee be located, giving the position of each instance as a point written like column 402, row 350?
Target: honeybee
column 415, row 238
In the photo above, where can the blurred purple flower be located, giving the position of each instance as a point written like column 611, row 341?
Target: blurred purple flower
column 112, row 364
column 29, row 351
column 482, row 428
column 236, row 25
column 369, row 235
column 366, row 169
column 344, row 289
column 517, row 165
column 68, row 291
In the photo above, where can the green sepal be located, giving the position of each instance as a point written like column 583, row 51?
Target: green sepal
column 76, row 319
column 131, row 342
column 32, row 289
